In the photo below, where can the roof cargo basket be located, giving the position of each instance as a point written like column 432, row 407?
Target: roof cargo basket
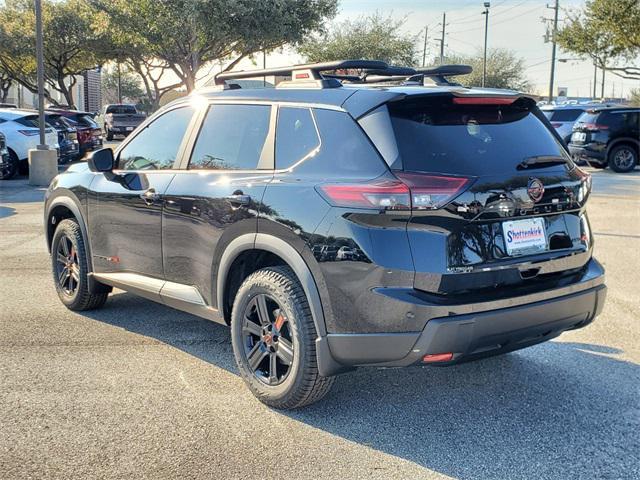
column 306, row 74
column 357, row 71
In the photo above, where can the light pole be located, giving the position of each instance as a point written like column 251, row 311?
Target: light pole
column 40, row 74
column 486, row 30
column 556, row 8
column 43, row 161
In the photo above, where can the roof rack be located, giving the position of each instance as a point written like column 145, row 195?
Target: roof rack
column 305, row 73
column 372, row 71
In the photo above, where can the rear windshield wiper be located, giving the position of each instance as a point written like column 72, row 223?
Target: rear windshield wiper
column 540, row 160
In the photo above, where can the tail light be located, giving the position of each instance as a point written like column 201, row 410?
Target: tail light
column 484, row 100
column 556, row 125
column 412, row 191
column 594, row 127
column 585, row 184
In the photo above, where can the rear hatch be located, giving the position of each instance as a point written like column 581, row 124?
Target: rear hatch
column 586, row 127
column 496, row 199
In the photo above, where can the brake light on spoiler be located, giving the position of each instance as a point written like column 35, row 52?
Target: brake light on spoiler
column 483, row 100
column 411, row 191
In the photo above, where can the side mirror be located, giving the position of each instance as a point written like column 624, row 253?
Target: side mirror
column 101, row 160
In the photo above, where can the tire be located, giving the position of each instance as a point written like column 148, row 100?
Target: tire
column 11, row 170
column 109, row 134
column 290, row 335
column 599, row 166
column 623, row 158
column 77, row 296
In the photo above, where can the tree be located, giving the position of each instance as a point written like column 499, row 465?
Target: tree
column 130, row 88
column 184, row 35
column 618, row 20
column 504, row 69
column 602, row 32
column 71, row 27
column 373, row 38
column 634, row 97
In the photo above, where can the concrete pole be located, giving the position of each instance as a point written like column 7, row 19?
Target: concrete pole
column 43, row 162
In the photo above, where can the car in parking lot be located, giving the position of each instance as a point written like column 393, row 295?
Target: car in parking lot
column 563, row 117
column 338, row 221
column 121, row 119
column 67, row 137
column 608, row 136
column 89, row 132
column 21, row 131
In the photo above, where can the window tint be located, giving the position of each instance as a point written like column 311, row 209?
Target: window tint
column 435, row 135
column 231, row 138
column 568, row 115
column 156, row 147
column 296, row 136
column 346, row 152
column 121, row 109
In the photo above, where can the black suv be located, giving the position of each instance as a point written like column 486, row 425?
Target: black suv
column 608, row 137
column 334, row 223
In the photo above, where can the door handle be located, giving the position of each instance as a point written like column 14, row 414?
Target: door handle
column 239, row 199
column 150, row 196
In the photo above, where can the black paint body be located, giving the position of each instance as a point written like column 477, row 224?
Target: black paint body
column 376, row 272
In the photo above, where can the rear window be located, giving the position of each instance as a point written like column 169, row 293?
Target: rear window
column 119, row 109
column 435, row 135
column 568, row 115
column 85, row 121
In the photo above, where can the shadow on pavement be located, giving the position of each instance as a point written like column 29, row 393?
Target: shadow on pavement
column 544, row 412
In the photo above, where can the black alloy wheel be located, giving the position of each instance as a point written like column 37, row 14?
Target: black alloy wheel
column 68, row 267
column 267, row 340
column 623, row 159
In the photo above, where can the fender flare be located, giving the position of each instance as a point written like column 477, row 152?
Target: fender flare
column 327, row 365
column 63, row 199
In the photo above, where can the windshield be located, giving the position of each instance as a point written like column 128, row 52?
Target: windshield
column 436, row 135
column 120, row 109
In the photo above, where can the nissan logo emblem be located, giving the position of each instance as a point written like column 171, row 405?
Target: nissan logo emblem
column 535, row 189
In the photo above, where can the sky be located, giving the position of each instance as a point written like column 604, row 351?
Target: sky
column 513, row 24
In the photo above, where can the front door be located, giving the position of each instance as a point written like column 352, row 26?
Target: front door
column 218, row 194
column 125, row 210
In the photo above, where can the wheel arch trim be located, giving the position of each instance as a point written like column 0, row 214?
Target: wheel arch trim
column 620, row 140
column 289, row 254
column 65, row 200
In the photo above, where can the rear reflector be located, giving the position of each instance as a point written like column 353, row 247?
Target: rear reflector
column 484, row 100
column 414, row 191
column 437, row 357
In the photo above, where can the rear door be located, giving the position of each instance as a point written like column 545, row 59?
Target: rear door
column 125, row 213
column 502, row 199
column 217, row 194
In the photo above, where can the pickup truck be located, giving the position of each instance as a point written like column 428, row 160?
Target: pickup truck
column 121, row 119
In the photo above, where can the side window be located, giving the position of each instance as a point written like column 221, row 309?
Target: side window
column 346, row 152
column 296, row 136
column 156, row 147
column 232, row 137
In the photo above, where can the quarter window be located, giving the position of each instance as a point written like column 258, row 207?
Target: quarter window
column 296, row 136
column 156, row 147
column 232, row 137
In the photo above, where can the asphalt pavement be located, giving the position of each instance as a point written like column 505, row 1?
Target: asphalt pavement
column 138, row 390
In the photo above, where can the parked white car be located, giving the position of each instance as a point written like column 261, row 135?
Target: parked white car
column 20, row 129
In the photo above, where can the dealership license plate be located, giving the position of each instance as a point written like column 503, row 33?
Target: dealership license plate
column 523, row 237
column 129, row 129
column 579, row 137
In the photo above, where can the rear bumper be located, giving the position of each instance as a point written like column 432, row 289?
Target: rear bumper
column 476, row 332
